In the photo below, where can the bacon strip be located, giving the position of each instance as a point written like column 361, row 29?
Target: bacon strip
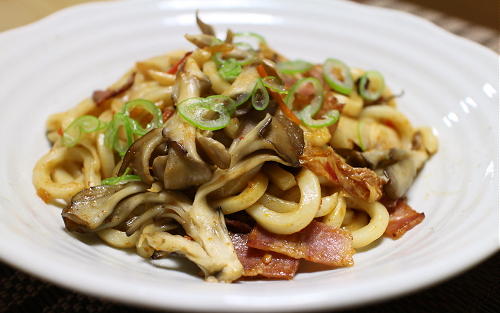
column 361, row 183
column 257, row 262
column 402, row 218
column 100, row 96
column 318, row 243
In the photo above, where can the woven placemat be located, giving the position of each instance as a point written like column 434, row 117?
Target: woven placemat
column 476, row 291
column 485, row 36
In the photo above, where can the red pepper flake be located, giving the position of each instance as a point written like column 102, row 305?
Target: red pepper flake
column 167, row 113
column 175, row 68
column 60, row 131
column 390, row 124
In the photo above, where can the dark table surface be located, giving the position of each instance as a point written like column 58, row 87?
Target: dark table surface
column 475, row 291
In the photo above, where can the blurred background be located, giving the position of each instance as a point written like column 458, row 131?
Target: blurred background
column 478, row 20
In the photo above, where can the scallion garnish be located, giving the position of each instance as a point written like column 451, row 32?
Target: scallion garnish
column 371, row 85
column 294, row 67
column 274, row 84
column 230, row 69
column 112, row 140
column 125, row 178
column 219, row 60
column 244, row 46
column 260, row 38
column 209, row 113
column 360, row 137
column 82, row 124
column 329, row 118
column 338, row 76
column 307, row 113
column 130, row 126
column 147, row 106
column 316, row 102
column 260, row 96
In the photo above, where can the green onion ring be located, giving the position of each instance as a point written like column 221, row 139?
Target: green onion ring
column 219, row 60
column 360, row 138
column 274, row 84
column 329, row 118
column 294, row 67
column 148, row 106
column 317, row 100
column 251, row 34
column 82, row 124
column 366, row 83
column 112, row 139
column 260, row 96
column 331, row 69
column 229, row 70
column 195, row 111
column 244, row 46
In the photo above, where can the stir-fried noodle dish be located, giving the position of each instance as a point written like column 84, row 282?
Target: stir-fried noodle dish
column 237, row 158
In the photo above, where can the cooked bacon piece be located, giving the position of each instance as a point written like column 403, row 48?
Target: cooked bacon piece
column 99, row 96
column 402, row 218
column 318, row 243
column 317, row 72
column 257, row 262
column 361, row 183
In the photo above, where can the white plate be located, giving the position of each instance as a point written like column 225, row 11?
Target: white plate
column 449, row 83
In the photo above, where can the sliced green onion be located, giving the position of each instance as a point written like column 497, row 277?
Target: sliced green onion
column 209, row 113
column 338, row 76
column 329, row 118
column 260, row 38
column 371, row 85
column 360, row 138
column 125, row 178
column 219, row 60
column 294, row 67
column 83, row 124
column 242, row 98
column 316, row 102
column 148, row 106
column 230, row 69
column 274, row 84
column 244, row 45
column 260, row 96
column 112, row 135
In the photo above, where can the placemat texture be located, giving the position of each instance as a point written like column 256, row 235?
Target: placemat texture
column 486, row 36
column 476, row 291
